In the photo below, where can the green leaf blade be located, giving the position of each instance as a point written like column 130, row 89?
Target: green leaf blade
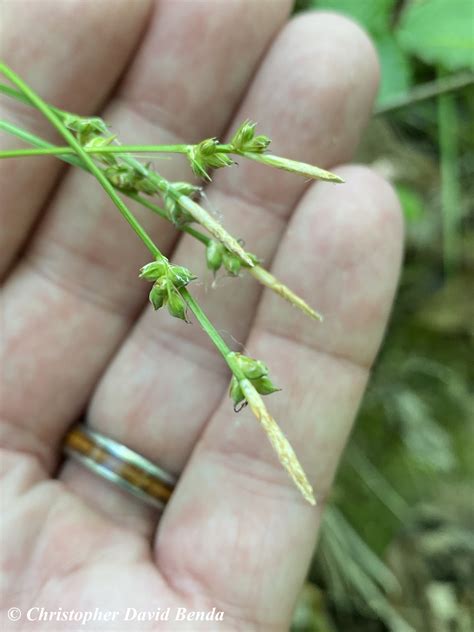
column 439, row 32
column 396, row 72
column 373, row 16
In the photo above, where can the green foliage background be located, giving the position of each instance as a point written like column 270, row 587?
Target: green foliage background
column 397, row 550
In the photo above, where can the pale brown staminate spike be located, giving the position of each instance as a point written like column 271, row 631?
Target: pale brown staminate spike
column 282, row 290
column 202, row 217
column 280, row 443
column 294, row 166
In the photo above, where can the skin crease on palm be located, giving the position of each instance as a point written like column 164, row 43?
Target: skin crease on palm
column 79, row 338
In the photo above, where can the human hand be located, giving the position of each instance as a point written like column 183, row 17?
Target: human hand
column 78, row 337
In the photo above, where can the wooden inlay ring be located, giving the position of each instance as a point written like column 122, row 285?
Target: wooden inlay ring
column 120, row 465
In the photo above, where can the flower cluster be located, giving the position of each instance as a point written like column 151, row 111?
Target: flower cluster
column 218, row 255
column 127, row 178
column 206, row 155
column 85, row 128
column 167, row 280
column 131, row 177
column 244, row 139
column 256, row 372
column 91, row 133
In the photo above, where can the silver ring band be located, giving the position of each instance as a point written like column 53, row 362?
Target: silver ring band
column 120, row 465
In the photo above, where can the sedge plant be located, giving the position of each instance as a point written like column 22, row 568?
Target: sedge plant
column 91, row 146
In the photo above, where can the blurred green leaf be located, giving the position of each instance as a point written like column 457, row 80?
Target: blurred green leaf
column 355, row 573
column 440, row 32
column 373, row 16
column 424, row 437
column 451, row 205
column 412, row 203
column 396, row 76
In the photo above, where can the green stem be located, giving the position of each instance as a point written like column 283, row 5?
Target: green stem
column 74, row 160
column 111, row 149
column 424, row 91
column 225, row 148
column 203, row 218
column 205, row 322
column 279, row 442
column 450, row 193
column 36, row 140
column 21, row 96
column 204, row 239
column 164, row 186
column 13, row 94
column 200, row 215
column 218, row 341
column 55, row 120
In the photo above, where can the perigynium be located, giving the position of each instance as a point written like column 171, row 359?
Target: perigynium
column 92, row 147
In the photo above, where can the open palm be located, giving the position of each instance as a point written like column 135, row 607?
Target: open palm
column 78, row 337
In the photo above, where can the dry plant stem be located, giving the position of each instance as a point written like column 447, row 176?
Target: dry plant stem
column 204, row 239
column 280, row 443
column 258, row 272
column 200, row 215
column 285, row 452
column 203, row 218
column 267, row 279
column 294, row 166
column 278, row 162
column 197, row 212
